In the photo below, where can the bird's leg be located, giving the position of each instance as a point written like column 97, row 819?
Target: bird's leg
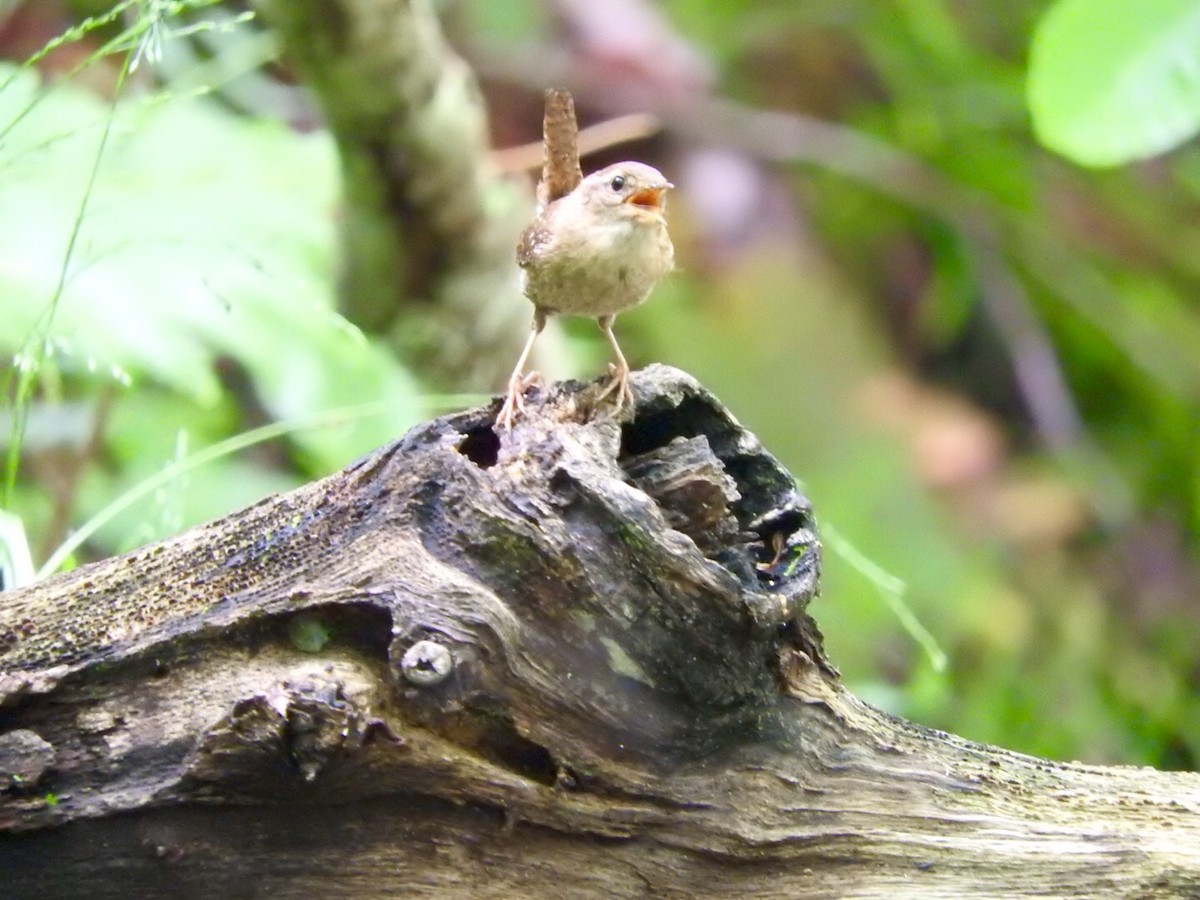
column 620, row 372
column 518, row 381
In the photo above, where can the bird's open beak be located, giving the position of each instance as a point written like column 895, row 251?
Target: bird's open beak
column 651, row 199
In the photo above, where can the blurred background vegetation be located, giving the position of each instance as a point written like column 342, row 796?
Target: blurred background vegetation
column 980, row 356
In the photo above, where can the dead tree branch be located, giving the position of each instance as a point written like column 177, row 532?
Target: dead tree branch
column 574, row 658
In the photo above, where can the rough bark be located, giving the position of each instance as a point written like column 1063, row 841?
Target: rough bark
column 572, row 660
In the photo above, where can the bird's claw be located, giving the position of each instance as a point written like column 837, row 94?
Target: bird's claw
column 618, row 386
column 514, row 402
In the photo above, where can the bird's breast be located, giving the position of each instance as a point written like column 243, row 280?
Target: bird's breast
column 610, row 268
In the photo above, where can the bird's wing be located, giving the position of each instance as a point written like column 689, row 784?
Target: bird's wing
column 534, row 241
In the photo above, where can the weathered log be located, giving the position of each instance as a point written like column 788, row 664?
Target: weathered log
column 571, row 660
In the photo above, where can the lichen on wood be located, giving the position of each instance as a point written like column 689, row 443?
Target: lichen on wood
column 580, row 652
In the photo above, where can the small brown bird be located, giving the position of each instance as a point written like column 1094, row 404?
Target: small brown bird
column 594, row 252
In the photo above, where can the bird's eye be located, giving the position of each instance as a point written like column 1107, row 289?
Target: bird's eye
column 617, row 183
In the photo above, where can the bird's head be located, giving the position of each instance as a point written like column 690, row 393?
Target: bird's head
column 630, row 189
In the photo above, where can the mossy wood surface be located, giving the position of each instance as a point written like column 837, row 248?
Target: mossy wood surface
column 576, row 659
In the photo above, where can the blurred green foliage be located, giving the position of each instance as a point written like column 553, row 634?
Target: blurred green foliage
column 192, row 282
column 1060, row 575
column 895, row 342
column 1111, row 82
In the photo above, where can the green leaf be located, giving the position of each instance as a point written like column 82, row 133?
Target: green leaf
column 309, row 634
column 207, row 237
column 16, row 566
column 198, row 222
column 1111, row 81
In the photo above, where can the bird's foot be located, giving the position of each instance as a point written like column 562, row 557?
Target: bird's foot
column 514, row 402
column 618, row 387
